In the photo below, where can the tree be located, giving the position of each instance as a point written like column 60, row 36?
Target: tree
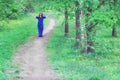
column 66, row 22
column 90, row 7
column 77, row 16
column 65, row 5
column 89, row 28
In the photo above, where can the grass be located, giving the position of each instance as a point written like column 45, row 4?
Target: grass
column 70, row 64
column 17, row 33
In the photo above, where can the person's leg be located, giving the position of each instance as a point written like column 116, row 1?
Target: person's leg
column 39, row 31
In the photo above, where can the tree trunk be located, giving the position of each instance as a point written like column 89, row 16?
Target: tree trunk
column 83, row 34
column 114, row 32
column 90, row 48
column 89, row 29
column 66, row 22
column 77, row 16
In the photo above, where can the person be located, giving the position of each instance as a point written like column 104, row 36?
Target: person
column 40, row 24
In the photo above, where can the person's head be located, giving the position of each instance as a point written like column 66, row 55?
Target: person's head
column 40, row 14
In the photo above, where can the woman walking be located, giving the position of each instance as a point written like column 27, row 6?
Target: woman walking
column 40, row 24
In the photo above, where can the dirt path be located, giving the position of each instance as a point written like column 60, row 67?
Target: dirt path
column 32, row 58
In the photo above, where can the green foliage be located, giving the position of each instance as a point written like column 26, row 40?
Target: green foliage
column 10, row 9
column 27, row 6
column 104, row 17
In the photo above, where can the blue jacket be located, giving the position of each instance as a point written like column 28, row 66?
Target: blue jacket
column 40, row 20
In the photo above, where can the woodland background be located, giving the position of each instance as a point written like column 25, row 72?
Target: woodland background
column 85, row 44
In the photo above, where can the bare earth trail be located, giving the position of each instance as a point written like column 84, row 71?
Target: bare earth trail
column 32, row 59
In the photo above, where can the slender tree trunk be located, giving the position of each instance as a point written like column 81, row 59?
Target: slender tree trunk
column 114, row 32
column 90, row 43
column 66, row 22
column 77, row 16
column 90, row 48
column 83, row 34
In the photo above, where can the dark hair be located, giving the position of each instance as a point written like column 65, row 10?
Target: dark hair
column 40, row 14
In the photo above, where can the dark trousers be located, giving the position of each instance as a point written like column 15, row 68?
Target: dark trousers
column 40, row 31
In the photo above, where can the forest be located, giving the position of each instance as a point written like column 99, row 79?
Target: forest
column 84, row 44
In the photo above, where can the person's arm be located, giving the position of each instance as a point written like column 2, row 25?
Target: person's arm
column 33, row 16
column 47, row 14
column 44, row 17
column 36, row 17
